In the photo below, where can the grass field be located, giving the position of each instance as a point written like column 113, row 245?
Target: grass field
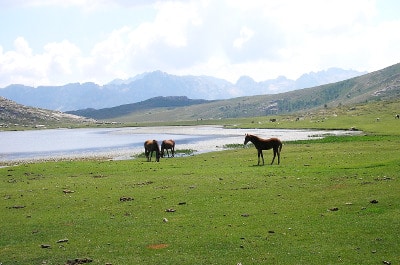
column 330, row 201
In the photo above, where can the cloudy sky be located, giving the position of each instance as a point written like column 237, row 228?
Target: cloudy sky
column 54, row 42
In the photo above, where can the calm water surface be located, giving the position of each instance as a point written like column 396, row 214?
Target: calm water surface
column 122, row 143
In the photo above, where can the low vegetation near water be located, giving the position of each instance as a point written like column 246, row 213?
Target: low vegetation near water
column 331, row 201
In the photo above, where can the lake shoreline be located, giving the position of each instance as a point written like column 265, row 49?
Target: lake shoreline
column 127, row 142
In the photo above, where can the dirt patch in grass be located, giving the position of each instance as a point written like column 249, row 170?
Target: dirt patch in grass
column 157, row 246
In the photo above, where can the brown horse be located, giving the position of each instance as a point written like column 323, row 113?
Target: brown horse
column 168, row 144
column 151, row 146
column 265, row 144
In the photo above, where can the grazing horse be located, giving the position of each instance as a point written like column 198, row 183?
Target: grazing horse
column 168, row 144
column 149, row 147
column 265, row 144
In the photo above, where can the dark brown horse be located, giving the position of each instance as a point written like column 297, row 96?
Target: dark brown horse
column 151, row 146
column 168, row 144
column 265, row 144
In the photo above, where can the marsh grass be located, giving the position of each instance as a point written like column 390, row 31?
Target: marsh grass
column 331, row 201
column 178, row 152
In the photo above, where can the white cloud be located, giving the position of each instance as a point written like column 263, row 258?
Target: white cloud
column 227, row 39
column 245, row 36
column 22, row 47
column 19, row 66
column 61, row 56
column 86, row 4
column 53, row 66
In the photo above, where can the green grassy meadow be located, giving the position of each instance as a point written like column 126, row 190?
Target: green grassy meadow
column 330, row 201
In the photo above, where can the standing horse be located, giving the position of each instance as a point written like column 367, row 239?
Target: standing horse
column 151, row 146
column 265, row 144
column 168, row 144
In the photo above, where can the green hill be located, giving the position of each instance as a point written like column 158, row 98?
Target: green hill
column 127, row 109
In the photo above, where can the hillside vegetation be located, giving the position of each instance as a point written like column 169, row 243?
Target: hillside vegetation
column 380, row 85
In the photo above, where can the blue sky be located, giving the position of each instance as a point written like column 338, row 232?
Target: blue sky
column 54, row 42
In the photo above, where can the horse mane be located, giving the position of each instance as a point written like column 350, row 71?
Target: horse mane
column 252, row 136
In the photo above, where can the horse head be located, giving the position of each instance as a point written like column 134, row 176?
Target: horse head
column 247, row 138
column 162, row 149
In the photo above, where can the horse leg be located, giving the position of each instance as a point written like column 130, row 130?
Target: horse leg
column 173, row 151
column 167, row 152
column 274, row 156
column 262, row 156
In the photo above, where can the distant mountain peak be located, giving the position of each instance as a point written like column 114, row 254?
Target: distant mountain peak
column 245, row 79
column 330, row 75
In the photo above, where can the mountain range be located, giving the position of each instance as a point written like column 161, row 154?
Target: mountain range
column 77, row 96
column 382, row 85
column 379, row 85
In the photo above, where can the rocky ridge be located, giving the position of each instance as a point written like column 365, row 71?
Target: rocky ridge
column 14, row 114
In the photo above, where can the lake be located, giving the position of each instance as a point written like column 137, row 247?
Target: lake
column 122, row 143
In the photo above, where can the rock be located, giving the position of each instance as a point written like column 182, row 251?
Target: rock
column 17, row 207
column 125, row 199
column 78, row 261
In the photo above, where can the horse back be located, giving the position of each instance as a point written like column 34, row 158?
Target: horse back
column 151, row 145
column 168, row 144
column 270, row 143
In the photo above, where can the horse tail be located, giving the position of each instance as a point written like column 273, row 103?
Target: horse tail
column 280, row 146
